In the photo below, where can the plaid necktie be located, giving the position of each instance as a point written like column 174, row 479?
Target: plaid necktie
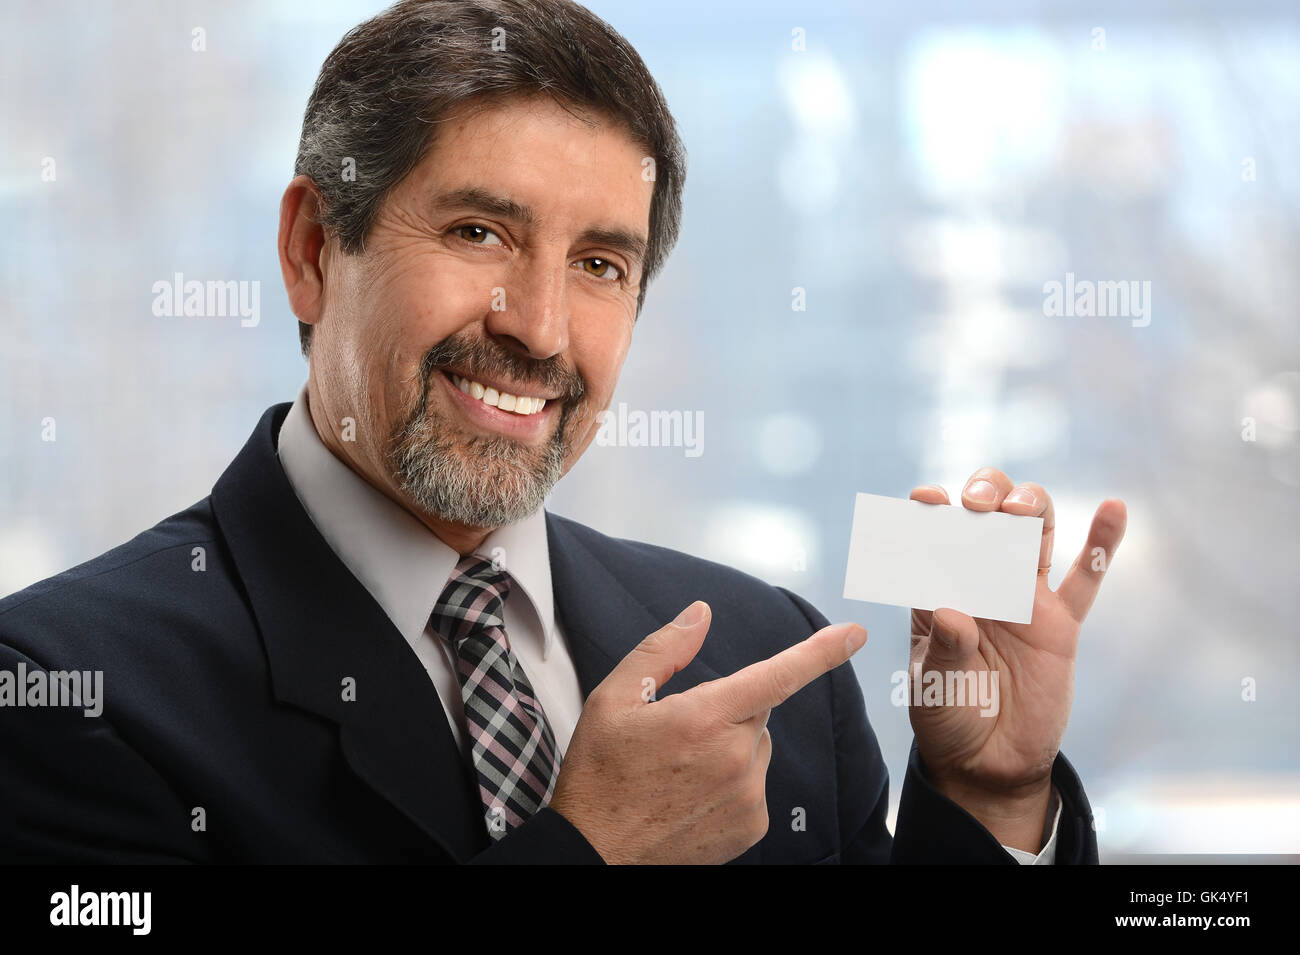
column 514, row 751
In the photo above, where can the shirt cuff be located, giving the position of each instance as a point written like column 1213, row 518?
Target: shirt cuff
column 1047, row 855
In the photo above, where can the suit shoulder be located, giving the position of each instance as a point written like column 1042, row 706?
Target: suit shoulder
column 130, row 567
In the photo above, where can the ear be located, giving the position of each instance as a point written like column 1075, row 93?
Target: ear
column 302, row 247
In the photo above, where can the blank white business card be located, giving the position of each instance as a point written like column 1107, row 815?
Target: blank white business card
column 927, row 556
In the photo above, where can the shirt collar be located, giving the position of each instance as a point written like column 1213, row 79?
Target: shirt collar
column 402, row 563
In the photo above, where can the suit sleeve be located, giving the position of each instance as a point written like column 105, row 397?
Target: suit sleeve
column 930, row 827
column 76, row 793
column 546, row 838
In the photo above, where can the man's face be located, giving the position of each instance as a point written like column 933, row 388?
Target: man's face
column 505, row 264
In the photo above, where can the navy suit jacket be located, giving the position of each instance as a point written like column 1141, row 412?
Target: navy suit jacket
column 223, row 692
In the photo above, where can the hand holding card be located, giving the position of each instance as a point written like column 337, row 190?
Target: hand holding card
column 999, row 768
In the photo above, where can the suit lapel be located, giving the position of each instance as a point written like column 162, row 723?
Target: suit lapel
column 602, row 620
column 324, row 632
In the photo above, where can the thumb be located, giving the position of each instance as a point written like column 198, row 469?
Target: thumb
column 953, row 638
column 652, row 662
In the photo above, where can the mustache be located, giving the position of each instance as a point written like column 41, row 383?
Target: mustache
column 476, row 355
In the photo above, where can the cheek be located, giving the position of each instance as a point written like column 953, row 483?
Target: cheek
column 599, row 345
column 444, row 287
column 433, row 297
column 348, row 349
column 599, row 356
column 429, row 298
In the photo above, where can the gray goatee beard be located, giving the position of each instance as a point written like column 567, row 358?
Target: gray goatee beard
column 476, row 480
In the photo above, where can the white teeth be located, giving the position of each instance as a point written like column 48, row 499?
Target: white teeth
column 519, row 404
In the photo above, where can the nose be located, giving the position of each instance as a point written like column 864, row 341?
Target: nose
column 530, row 314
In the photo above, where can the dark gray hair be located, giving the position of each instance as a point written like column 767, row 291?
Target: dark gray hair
column 391, row 80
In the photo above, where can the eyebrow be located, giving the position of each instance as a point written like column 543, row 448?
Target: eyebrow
column 631, row 244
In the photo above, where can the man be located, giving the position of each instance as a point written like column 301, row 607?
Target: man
column 372, row 643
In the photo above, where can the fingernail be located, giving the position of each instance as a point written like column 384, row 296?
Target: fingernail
column 1022, row 495
column 690, row 616
column 855, row 640
column 982, row 492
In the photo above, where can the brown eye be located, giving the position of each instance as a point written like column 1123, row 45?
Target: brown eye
column 601, row 268
column 477, row 234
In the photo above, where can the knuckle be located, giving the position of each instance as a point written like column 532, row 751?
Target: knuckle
column 731, row 706
column 686, row 723
column 700, row 720
column 597, row 701
column 735, row 759
column 647, row 648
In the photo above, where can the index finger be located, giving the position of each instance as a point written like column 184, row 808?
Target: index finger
column 768, row 683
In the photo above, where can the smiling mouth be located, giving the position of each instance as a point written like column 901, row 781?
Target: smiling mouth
column 522, row 405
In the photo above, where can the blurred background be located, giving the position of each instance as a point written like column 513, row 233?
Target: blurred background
column 878, row 197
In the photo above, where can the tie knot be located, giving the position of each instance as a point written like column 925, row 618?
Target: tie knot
column 472, row 601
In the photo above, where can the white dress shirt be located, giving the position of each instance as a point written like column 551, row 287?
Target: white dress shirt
column 405, row 567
